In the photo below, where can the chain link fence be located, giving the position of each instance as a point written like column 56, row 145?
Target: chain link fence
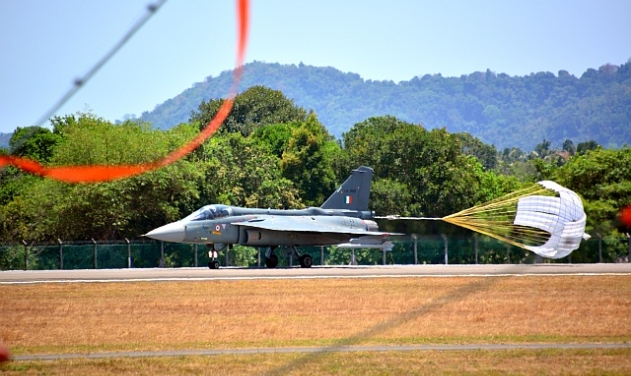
column 415, row 249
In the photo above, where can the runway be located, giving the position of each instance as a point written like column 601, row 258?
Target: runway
column 234, row 273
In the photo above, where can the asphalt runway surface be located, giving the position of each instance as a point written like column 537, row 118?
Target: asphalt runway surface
column 234, row 273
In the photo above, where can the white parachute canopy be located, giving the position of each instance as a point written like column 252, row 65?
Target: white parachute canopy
column 545, row 218
column 562, row 217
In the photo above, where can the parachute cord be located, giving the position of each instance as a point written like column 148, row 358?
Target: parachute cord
column 397, row 217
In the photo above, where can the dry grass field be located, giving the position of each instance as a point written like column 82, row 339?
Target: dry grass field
column 96, row 317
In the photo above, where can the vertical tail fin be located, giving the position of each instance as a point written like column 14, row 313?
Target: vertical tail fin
column 354, row 192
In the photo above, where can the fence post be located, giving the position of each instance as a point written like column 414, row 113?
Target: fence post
column 61, row 254
column 195, row 254
column 446, row 248
column 95, row 263
column 162, row 263
column 128, row 253
column 475, row 247
column 322, row 255
column 227, row 248
column 508, row 253
column 600, row 247
column 25, row 254
column 258, row 260
column 415, row 248
column 629, row 237
column 384, row 255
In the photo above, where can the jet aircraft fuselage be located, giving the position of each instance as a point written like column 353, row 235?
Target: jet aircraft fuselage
column 343, row 218
column 222, row 224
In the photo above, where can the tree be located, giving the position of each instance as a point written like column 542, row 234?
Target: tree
column 486, row 154
column 391, row 197
column 583, row 147
column 240, row 171
column 33, row 142
column 88, row 139
column 253, row 108
column 128, row 207
column 569, row 147
column 275, row 137
column 308, row 161
column 543, row 149
column 439, row 178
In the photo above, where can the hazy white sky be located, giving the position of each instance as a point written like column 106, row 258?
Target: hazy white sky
column 46, row 45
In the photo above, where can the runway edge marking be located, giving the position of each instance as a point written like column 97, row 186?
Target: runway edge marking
column 205, row 279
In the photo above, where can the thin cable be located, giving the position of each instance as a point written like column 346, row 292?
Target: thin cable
column 79, row 82
column 102, row 173
column 395, row 217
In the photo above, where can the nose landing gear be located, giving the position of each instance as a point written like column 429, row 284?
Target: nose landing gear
column 213, row 254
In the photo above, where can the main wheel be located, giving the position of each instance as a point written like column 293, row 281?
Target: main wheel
column 305, row 261
column 213, row 264
column 272, row 261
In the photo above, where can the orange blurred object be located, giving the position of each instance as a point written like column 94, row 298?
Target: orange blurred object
column 5, row 355
column 625, row 216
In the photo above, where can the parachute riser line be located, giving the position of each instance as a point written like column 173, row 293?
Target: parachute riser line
column 396, row 217
column 487, row 233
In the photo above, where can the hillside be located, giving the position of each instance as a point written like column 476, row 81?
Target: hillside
column 499, row 109
column 4, row 139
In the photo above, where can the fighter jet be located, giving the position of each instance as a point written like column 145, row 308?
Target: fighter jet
column 344, row 219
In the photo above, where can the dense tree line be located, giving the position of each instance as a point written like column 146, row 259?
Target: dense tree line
column 503, row 110
column 273, row 153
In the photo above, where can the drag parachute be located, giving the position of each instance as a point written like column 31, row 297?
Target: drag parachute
column 545, row 218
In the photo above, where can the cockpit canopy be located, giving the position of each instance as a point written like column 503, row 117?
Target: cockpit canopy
column 209, row 212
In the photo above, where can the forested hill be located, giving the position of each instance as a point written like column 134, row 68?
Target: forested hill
column 4, row 139
column 500, row 109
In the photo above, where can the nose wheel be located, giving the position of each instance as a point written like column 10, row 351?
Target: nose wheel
column 213, row 254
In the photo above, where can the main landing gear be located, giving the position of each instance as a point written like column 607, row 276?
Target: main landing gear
column 271, row 260
column 305, row 261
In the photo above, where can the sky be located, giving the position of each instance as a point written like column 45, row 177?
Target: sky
column 46, row 45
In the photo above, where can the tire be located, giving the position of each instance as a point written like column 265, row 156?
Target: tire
column 306, row 261
column 272, row 261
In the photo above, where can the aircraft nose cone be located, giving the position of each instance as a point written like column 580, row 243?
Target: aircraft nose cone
column 173, row 232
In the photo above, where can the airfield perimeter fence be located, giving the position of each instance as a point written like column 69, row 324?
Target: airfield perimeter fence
column 415, row 249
